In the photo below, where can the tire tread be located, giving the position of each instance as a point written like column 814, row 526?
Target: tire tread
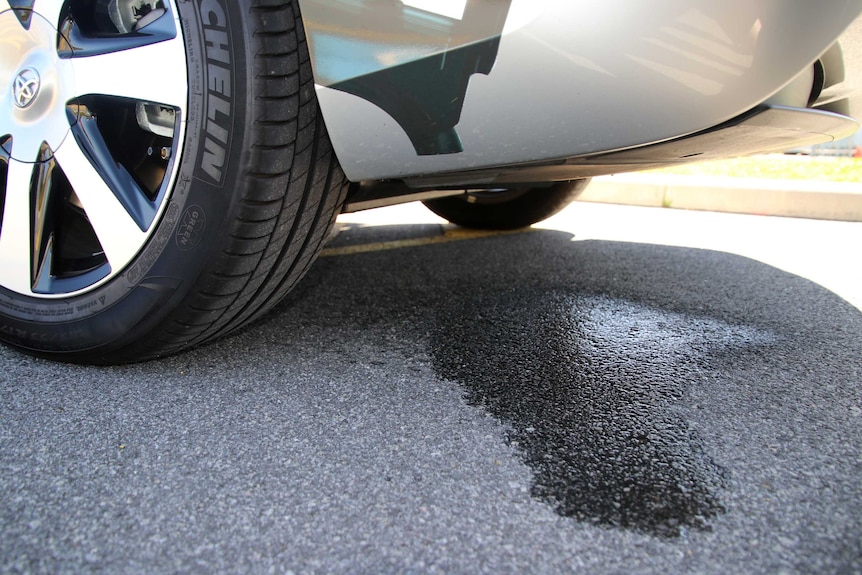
column 293, row 190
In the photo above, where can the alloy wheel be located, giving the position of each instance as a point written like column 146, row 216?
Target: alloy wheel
column 92, row 104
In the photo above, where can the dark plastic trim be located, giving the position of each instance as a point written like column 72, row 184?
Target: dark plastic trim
column 766, row 129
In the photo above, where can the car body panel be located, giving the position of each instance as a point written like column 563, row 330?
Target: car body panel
column 414, row 88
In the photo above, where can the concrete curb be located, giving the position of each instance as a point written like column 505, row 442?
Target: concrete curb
column 788, row 198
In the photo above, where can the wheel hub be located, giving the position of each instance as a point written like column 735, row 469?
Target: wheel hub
column 26, row 88
column 41, row 84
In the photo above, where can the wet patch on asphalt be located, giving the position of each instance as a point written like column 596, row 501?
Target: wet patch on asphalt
column 592, row 390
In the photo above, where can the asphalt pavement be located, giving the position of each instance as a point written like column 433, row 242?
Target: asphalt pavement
column 622, row 390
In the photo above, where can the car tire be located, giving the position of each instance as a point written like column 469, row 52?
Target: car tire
column 194, row 188
column 506, row 209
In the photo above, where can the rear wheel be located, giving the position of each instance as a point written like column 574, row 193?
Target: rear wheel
column 165, row 175
column 508, row 208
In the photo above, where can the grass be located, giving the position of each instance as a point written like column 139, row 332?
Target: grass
column 781, row 167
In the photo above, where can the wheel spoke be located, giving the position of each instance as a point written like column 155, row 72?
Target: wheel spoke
column 75, row 43
column 42, row 226
column 23, row 10
column 26, row 143
column 49, row 10
column 90, row 142
column 118, row 232
column 15, row 240
column 5, row 157
column 153, row 73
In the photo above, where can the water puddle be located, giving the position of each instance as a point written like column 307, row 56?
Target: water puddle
column 592, row 390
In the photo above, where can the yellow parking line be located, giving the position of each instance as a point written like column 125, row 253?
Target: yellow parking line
column 450, row 234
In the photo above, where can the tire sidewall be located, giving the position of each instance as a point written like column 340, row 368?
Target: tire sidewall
column 194, row 220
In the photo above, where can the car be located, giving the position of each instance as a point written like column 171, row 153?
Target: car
column 169, row 169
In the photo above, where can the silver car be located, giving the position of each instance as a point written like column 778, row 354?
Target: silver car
column 169, row 169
